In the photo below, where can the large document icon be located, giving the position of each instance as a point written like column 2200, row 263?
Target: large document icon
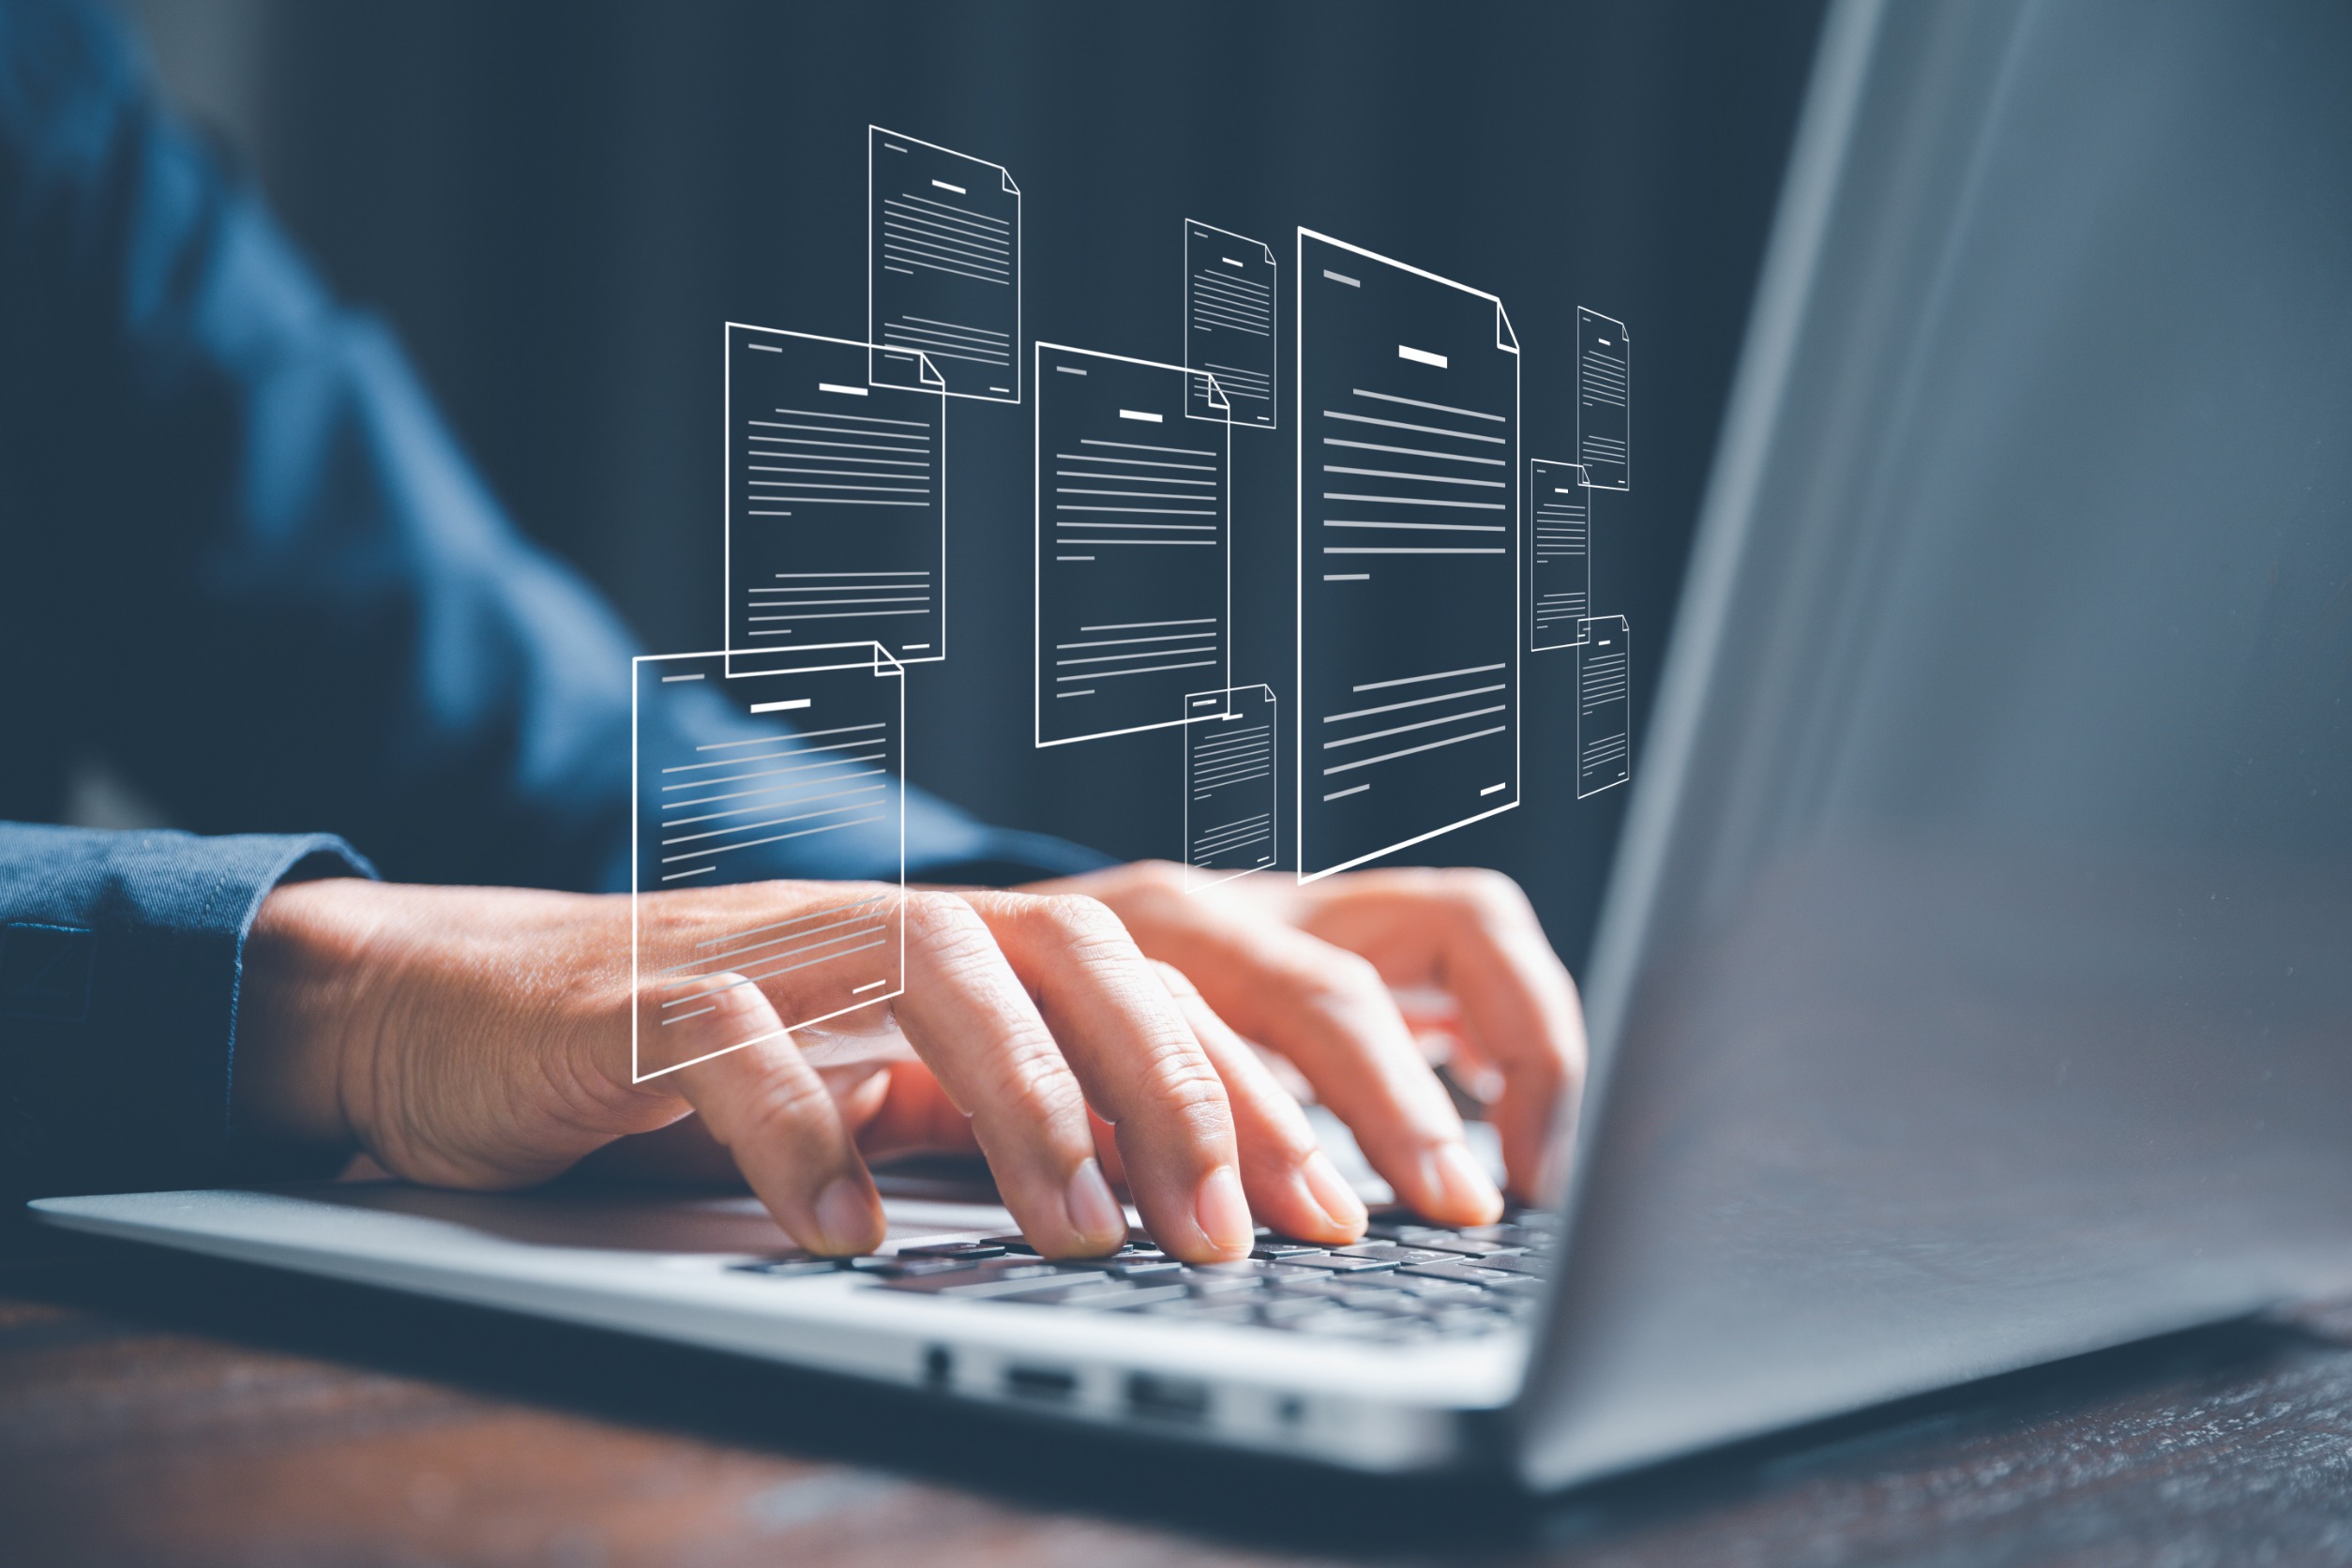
column 1408, row 594
column 805, row 762
column 1604, row 390
column 1133, row 590
column 1604, row 705
column 835, row 505
column 1559, row 554
column 943, row 266
column 1230, row 294
column 1229, row 784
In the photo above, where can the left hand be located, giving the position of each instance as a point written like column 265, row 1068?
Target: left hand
column 1312, row 973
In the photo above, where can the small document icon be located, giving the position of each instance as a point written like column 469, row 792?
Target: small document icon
column 1559, row 553
column 1604, row 383
column 1604, row 705
column 835, row 505
column 1229, row 784
column 1133, row 559
column 943, row 266
column 741, row 779
column 1230, row 324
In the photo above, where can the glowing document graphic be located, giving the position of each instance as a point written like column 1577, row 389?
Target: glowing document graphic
column 943, row 266
column 1559, row 553
column 836, row 505
column 823, row 758
column 1133, row 590
column 1230, row 297
column 1229, row 784
column 1604, row 705
column 1604, row 383
column 1408, row 592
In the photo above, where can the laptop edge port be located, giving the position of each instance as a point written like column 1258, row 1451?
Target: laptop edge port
column 1168, row 1399
column 1040, row 1382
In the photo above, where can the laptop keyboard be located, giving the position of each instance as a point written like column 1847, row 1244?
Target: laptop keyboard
column 1404, row 1281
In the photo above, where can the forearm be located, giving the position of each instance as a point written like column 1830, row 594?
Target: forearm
column 121, row 969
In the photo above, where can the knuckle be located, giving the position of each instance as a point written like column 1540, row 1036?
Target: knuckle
column 1489, row 894
column 787, row 1108
column 1033, row 1084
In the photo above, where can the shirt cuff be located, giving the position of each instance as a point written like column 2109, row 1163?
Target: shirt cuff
column 120, row 958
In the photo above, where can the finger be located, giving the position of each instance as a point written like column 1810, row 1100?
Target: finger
column 1290, row 1183
column 1142, row 1068
column 1328, row 1011
column 771, row 1112
column 970, row 1019
column 1474, row 933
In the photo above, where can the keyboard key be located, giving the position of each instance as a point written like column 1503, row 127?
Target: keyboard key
column 1467, row 1272
column 1010, row 1243
column 1275, row 1250
column 902, row 1268
column 1390, row 1252
column 1341, row 1262
column 1465, row 1247
column 789, row 1268
column 1533, row 1265
column 967, row 1251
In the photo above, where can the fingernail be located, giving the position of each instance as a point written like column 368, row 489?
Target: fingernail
column 1449, row 1173
column 1095, row 1216
column 1221, row 1211
column 1331, row 1194
column 845, row 1212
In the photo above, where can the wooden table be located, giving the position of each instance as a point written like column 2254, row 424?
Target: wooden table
column 154, row 1410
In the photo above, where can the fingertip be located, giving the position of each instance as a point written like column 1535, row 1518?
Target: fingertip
column 1222, row 1212
column 849, row 1215
column 1333, row 1196
column 1455, row 1189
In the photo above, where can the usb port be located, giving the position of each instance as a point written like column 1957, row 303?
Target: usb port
column 1168, row 1399
column 1040, row 1382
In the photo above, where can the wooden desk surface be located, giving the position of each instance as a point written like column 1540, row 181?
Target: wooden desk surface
column 154, row 1410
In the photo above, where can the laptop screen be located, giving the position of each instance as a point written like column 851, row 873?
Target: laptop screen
column 1971, row 988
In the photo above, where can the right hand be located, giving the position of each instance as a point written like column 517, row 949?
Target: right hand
column 480, row 1038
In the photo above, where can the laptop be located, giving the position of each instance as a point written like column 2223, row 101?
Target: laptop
column 1971, row 988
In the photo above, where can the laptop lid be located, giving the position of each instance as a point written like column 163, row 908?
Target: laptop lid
column 1974, row 983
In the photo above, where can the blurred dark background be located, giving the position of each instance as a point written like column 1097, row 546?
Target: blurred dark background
column 558, row 205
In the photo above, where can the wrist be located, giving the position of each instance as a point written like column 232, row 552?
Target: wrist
column 300, row 1011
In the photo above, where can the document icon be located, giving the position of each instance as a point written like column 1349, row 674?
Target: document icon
column 1559, row 557
column 1229, row 323
column 1133, row 590
column 737, row 778
column 836, row 514
column 1408, row 593
column 943, row 266
column 1604, row 705
column 1229, row 784
column 1605, row 418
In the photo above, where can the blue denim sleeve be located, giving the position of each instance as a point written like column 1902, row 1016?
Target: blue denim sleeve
column 119, row 961
column 249, row 563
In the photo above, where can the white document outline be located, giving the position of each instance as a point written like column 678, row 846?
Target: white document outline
column 1274, row 324
column 1627, row 338
column 1274, row 814
column 1531, row 555
column 1038, row 548
column 1506, row 341
column 873, row 327
column 926, row 371
column 885, row 669
column 1583, row 793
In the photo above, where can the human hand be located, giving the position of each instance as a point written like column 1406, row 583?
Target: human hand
column 1315, row 973
column 480, row 1038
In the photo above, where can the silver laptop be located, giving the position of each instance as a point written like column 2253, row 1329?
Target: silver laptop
column 1974, row 985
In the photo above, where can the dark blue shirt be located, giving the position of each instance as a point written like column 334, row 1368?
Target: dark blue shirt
column 243, row 563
